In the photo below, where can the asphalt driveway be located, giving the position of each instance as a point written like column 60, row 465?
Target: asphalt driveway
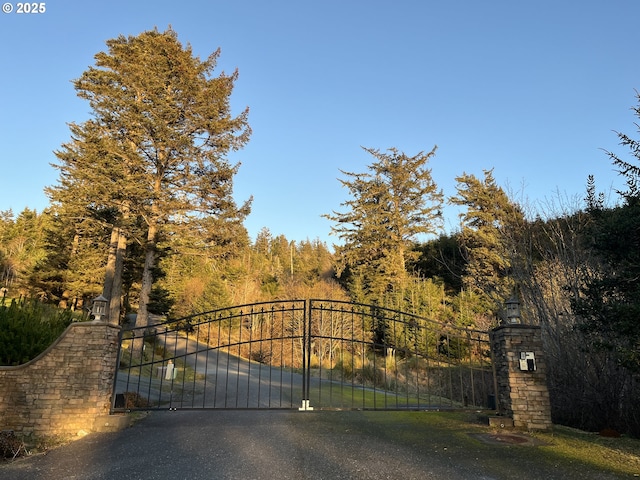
column 265, row 444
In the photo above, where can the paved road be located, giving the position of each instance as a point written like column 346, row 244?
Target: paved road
column 234, row 444
column 222, row 380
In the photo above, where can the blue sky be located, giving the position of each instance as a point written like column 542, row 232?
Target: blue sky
column 534, row 90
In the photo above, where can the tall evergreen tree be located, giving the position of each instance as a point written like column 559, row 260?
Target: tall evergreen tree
column 96, row 189
column 608, row 305
column 629, row 169
column 165, row 127
column 391, row 204
column 485, row 238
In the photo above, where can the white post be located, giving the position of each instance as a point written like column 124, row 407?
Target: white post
column 168, row 375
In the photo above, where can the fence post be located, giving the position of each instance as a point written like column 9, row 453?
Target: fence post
column 521, row 376
column 306, row 356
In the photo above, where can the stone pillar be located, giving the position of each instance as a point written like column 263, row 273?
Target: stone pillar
column 521, row 378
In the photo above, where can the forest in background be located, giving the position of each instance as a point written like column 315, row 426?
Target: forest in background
column 164, row 235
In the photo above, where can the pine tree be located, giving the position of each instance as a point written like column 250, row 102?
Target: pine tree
column 391, row 204
column 487, row 225
column 608, row 306
column 96, row 189
column 164, row 127
column 630, row 170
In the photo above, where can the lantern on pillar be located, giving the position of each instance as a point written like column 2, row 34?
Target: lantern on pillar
column 513, row 309
column 99, row 307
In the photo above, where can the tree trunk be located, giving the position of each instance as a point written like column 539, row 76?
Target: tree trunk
column 112, row 289
column 115, row 303
column 110, row 269
column 142, row 319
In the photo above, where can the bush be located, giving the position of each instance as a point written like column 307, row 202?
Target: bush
column 27, row 328
column 10, row 445
column 133, row 400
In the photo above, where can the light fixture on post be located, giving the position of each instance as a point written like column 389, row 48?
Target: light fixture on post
column 513, row 309
column 99, row 308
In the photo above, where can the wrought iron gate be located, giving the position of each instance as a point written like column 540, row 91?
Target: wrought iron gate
column 305, row 354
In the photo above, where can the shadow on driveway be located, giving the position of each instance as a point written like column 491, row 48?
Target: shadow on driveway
column 269, row 444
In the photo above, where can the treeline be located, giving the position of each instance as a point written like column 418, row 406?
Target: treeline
column 38, row 261
column 43, row 257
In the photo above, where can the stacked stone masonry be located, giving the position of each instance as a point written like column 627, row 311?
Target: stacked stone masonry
column 522, row 395
column 63, row 390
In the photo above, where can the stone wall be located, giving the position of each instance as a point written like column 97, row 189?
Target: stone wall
column 522, row 394
column 63, row 390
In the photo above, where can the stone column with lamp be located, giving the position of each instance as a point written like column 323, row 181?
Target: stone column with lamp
column 520, row 367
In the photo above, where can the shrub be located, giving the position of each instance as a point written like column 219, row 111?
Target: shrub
column 27, row 328
column 135, row 400
column 10, row 445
